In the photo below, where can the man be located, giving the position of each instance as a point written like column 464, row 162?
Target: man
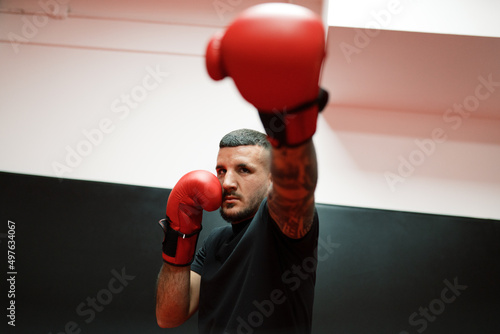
column 258, row 274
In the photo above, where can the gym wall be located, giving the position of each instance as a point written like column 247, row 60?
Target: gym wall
column 88, row 254
column 106, row 104
column 117, row 91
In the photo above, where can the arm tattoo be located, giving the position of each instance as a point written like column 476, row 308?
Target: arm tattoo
column 291, row 200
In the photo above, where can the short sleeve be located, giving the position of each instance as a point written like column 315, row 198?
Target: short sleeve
column 199, row 260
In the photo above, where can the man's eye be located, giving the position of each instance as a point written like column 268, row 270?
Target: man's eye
column 244, row 170
column 221, row 171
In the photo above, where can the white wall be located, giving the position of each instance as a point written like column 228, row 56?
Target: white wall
column 461, row 17
column 64, row 77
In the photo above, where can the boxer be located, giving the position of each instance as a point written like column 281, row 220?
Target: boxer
column 257, row 274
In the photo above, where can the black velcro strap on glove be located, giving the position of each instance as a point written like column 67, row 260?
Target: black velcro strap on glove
column 172, row 236
column 275, row 121
column 321, row 101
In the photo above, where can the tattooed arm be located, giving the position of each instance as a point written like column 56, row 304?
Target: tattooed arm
column 291, row 199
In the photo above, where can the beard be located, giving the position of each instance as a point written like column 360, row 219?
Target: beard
column 238, row 216
column 244, row 213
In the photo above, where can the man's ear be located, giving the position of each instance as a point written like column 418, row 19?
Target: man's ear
column 270, row 183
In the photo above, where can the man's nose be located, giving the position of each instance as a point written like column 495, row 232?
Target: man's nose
column 229, row 181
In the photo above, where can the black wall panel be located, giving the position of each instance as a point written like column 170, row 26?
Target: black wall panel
column 87, row 256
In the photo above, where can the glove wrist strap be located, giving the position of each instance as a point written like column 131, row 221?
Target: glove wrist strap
column 173, row 241
column 301, row 121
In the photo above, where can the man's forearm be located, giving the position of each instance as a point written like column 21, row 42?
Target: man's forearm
column 291, row 202
column 172, row 296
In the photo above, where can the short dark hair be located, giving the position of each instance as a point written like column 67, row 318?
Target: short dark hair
column 244, row 137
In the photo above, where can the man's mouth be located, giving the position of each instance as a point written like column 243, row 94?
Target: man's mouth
column 230, row 199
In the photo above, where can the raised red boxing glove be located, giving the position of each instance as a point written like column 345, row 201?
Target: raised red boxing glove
column 274, row 53
column 196, row 191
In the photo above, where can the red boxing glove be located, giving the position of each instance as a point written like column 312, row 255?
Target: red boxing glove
column 274, row 54
column 196, row 191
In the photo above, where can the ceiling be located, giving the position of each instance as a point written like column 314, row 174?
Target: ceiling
column 385, row 69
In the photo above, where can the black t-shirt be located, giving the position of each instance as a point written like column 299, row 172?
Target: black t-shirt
column 254, row 279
